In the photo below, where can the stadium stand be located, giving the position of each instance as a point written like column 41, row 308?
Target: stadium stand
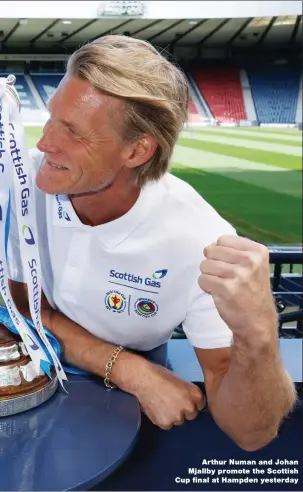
column 299, row 104
column 46, row 84
column 248, row 99
column 221, row 88
column 197, row 98
column 227, row 94
column 275, row 91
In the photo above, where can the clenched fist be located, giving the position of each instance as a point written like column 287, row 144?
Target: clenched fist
column 236, row 274
column 166, row 399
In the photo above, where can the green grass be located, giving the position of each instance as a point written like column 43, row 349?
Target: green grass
column 32, row 134
column 253, row 155
column 279, row 131
column 254, row 138
column 264, row 215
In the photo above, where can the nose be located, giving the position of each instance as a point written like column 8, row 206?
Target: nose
column 48, row 142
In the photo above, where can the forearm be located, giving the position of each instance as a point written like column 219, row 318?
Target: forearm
column 85, row 351
column 254, row 395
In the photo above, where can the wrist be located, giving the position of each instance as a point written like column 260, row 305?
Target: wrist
column 258, row 336
column 255, row 343
column 109, row 365
column 129, row 372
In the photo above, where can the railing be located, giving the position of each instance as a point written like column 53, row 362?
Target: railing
column 287, row 289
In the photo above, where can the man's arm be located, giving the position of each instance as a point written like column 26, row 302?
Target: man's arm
column 248, row 391
column 79, row 347
column 164, row 397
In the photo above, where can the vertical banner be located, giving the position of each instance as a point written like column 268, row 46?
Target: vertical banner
column 16, row 183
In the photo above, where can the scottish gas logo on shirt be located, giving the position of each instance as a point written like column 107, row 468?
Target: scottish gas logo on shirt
column 62, row 214
column 149, row 281
column 159, row 274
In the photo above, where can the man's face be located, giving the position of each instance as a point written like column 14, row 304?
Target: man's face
column 83, row 151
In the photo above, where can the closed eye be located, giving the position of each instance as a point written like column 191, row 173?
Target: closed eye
column 71, row 129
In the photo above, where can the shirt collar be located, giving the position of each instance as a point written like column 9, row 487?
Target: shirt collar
column 112, row 233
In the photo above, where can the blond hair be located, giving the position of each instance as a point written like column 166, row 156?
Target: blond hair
column 155, row 92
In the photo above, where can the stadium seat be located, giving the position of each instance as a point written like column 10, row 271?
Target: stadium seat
column 222, row 91
column 275, row 92
column 46, row 84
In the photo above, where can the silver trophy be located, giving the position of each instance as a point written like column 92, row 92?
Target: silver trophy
column 21, row 387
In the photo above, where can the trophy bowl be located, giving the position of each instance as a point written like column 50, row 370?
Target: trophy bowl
column 21, row 386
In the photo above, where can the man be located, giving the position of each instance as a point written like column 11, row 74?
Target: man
column 129, row 252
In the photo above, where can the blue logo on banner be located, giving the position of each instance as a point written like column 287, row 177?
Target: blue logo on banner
column 33, row 345
column 28, row 235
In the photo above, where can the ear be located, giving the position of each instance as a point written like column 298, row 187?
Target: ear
column 140, row 151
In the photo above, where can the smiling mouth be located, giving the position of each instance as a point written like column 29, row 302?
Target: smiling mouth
column 61, row 168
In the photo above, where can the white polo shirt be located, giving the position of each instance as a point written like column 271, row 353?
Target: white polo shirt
column 131, row 281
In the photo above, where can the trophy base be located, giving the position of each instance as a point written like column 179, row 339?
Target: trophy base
column 18, row 404
column 21, row 386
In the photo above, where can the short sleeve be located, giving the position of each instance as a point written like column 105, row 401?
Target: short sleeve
column 14, row 263
column 203, row 325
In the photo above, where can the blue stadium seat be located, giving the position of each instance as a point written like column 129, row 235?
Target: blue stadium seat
column 26, row 97
column 275, row 91
column 46, row 84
